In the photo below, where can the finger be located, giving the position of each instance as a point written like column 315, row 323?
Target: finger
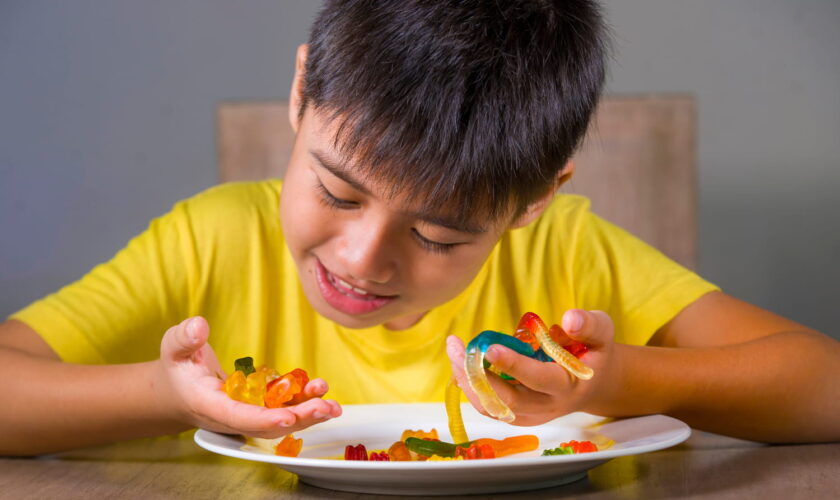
column 206, row 355
column 316, row 410
column 456, row 353
column 534, row 374
column 309, row 416
column 315, row 388
column 185, row 339
column 234, row 417
column 521, row 399
column 243, row 418
column 594, row 328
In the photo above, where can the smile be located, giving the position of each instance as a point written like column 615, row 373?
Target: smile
column 346, row 288
column 345, row 297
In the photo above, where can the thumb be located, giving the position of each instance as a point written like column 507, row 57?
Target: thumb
column 184, row 339
column 594, row 328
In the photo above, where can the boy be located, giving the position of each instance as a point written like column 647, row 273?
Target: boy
column 419, row 202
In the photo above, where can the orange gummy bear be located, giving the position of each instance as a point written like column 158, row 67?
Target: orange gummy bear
column 420, row 434
column 289, row 446
column 399, row 452
column 302, row 379
column 287, row 389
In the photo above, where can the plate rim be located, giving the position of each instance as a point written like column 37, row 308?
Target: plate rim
column 207, row 440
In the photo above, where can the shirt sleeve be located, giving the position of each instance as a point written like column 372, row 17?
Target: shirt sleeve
column 638, row 286
column 118, row 312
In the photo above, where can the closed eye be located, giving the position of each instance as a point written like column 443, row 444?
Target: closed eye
column 432, row 246
column 332, row 201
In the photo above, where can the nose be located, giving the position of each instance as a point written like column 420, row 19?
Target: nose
column 367, row 253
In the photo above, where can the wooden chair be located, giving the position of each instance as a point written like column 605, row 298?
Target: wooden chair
column 637, row 163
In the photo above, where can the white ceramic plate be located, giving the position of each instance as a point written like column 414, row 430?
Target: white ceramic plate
column 378, row 426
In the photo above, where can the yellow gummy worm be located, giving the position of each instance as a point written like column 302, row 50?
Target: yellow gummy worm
column 563, row 357
column 474, row 366
column 453, row 411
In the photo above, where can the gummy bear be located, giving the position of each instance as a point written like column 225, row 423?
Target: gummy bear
column 580, row 446
column 288, row 446
column 432, row 435
column 248, row 389
column 399, row 452
column 358, row 452
column 287, row 389
column 302, row 379
column 235, row 385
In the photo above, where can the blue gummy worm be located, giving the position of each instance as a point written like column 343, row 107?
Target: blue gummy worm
column 488, row 337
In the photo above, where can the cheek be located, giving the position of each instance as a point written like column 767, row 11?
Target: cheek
column 437, row 280
column 304, row 222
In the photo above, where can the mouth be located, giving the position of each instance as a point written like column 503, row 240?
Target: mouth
column 345, row 297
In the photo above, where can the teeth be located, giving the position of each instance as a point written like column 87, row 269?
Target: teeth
column 349, row 286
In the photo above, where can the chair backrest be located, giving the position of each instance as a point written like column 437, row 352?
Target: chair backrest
column 637, row 163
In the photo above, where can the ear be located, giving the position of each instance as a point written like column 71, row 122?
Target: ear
column 296, row 93
column 565, row 174
column 538, row 206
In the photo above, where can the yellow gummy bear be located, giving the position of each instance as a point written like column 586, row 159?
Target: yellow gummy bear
column 250, row 389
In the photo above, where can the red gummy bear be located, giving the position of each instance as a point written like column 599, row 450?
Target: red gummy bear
column 580, row 446
column 358, row 452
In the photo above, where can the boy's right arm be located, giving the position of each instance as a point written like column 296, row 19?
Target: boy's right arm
column 49, row 405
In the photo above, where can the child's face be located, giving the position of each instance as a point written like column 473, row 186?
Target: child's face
column 365, row 259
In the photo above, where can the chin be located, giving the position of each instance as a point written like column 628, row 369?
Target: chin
column 347, row 321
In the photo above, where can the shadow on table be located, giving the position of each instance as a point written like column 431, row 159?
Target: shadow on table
column 676, row 474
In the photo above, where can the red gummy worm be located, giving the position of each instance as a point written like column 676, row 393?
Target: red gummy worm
column 475, row 451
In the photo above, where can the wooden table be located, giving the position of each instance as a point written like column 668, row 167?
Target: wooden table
column 705, row 466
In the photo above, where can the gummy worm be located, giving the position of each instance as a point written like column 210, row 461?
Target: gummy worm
column 453, row 411
column 474, row 362
column 563, row 357
column 477, row 377
column 428, row 448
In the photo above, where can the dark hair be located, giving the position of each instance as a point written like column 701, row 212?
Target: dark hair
column 466, row 105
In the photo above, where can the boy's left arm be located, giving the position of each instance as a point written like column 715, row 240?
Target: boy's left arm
column 720, row 365
column 731, row 367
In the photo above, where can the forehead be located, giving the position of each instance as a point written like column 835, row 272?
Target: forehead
column 402, row 199
column 423, row 189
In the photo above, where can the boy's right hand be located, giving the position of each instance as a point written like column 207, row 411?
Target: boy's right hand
column 190, row 383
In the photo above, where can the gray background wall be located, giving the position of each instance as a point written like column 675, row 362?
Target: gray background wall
column 106, row 119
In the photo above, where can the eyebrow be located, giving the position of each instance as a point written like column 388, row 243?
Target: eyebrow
column 342, row 171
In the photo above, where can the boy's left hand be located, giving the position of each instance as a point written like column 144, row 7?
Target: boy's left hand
column 546, row 390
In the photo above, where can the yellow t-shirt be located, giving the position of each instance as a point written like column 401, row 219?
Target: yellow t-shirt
column 222, row 255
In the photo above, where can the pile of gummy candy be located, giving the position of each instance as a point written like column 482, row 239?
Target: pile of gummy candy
column 420, row 446
column 264, row 386
column 426, row 446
